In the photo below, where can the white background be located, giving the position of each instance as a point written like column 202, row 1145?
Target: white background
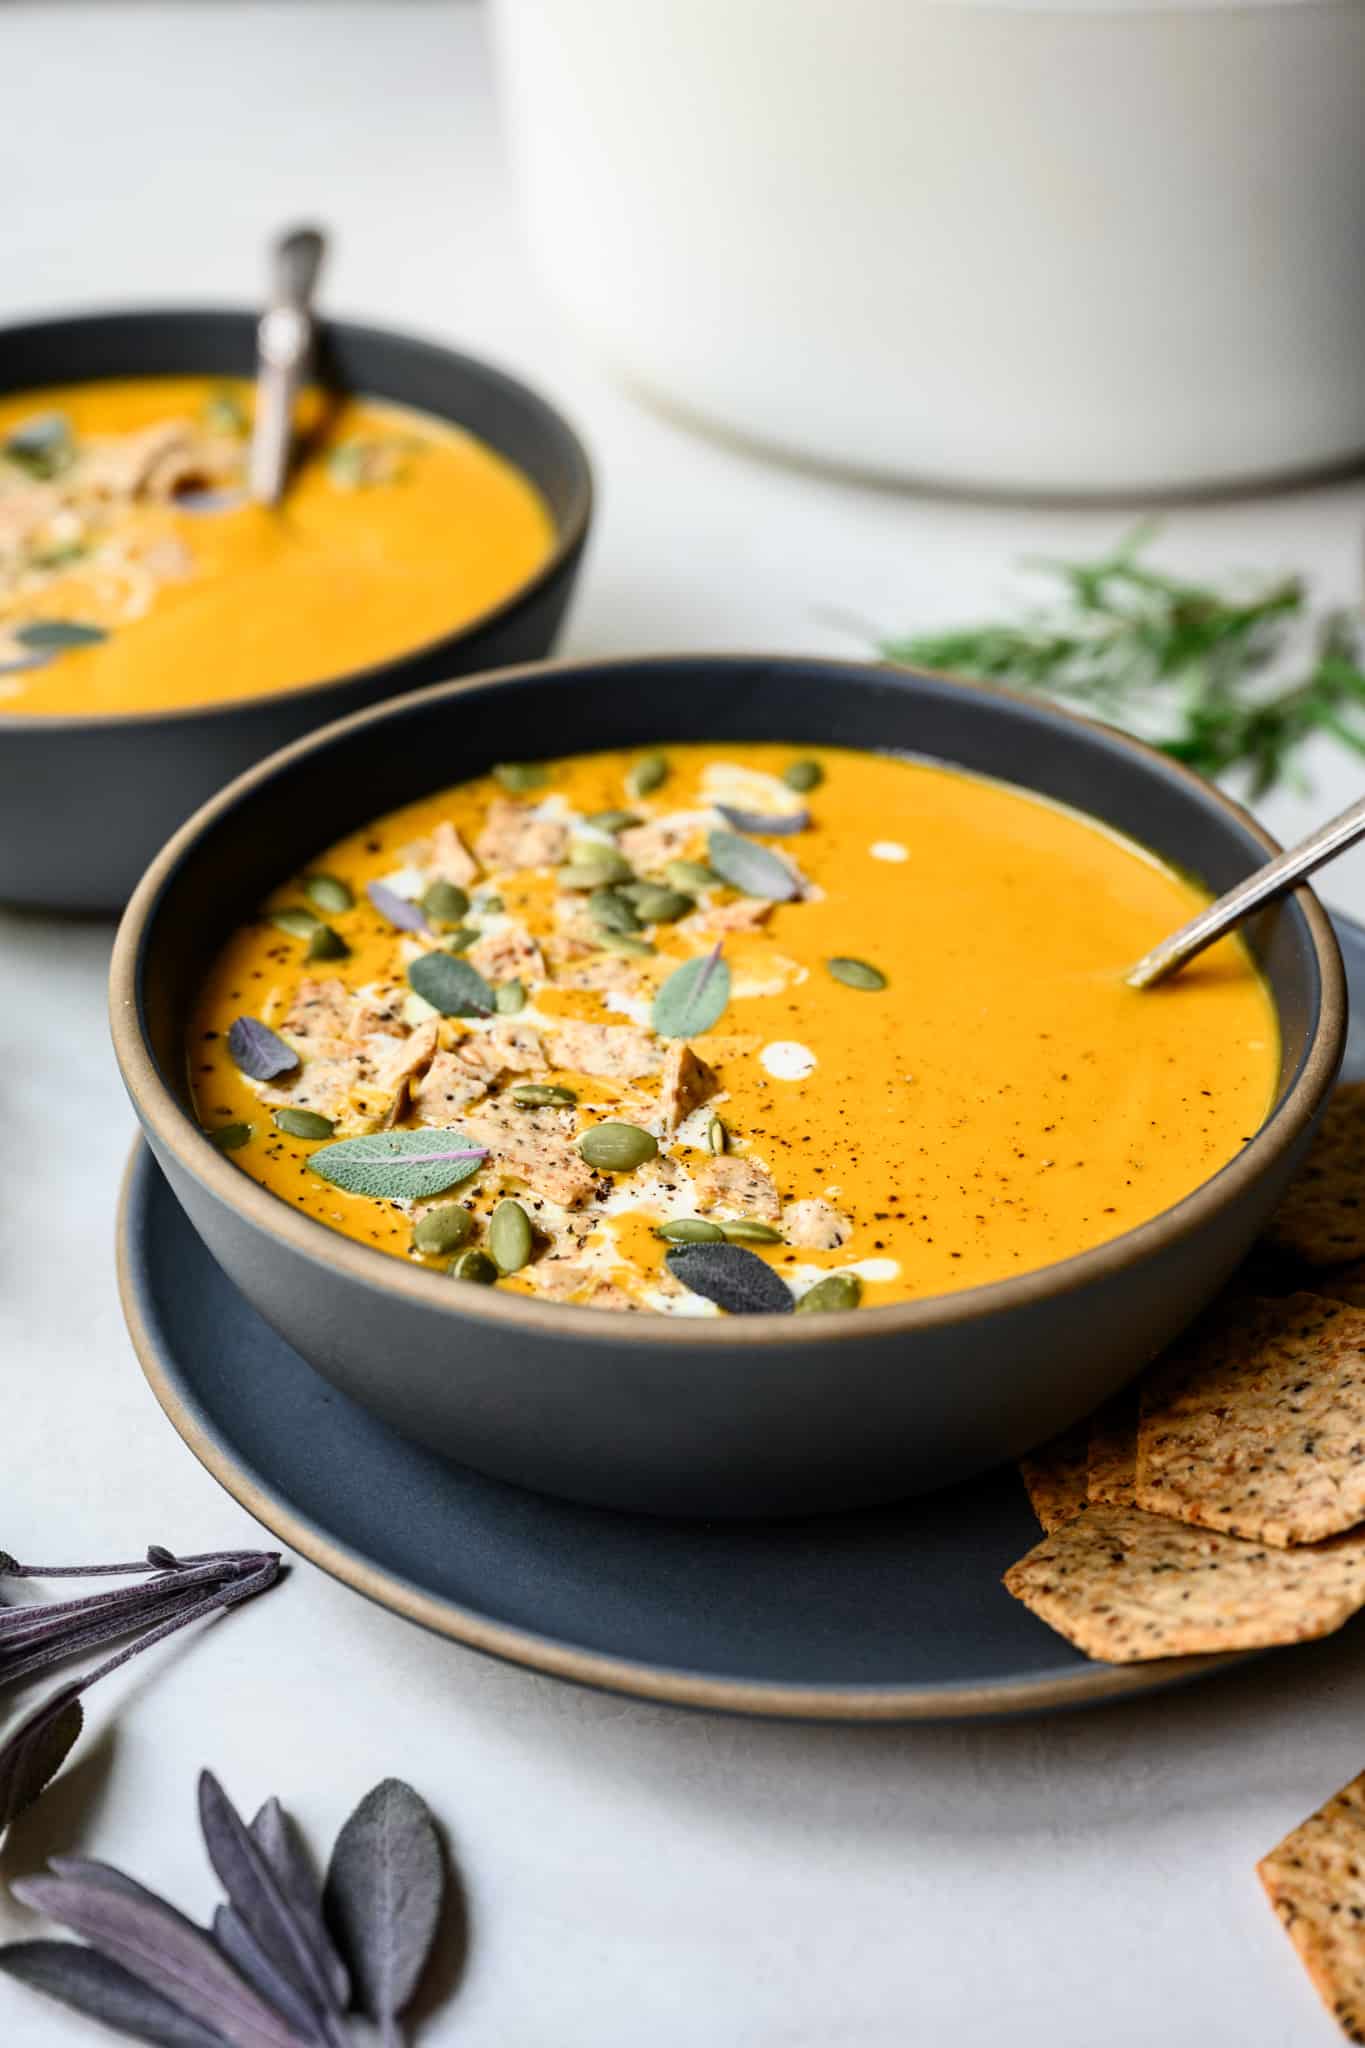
column 633, row 1874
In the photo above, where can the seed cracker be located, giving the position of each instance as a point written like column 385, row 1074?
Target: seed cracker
column 1125, row 1586
column 1321, row 1218
column 1315, row 1880
column 1054, row 1475
column 1256, row 1424
column 1111, row 1461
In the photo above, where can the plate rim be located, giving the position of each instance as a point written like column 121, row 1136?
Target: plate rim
column 1087, row 1684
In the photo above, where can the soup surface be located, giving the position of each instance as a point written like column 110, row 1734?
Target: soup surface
column 919, row 1067
column 135, row 575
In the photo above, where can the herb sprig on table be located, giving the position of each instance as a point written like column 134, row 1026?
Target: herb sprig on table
column 1197, row 670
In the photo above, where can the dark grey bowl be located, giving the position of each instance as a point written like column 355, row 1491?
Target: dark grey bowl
column 86, row 802
column 752, row 1416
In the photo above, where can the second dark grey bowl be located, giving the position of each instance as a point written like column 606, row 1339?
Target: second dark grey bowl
column 744, row 1415
column 86, row 801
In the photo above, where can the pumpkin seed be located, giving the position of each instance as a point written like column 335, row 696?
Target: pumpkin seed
column 473, row 1265
column 461, row 939
column 303, row 1123
column 856, row 973
column 300, row 923
column 325, row 944
column 488, row 906
column 223, row 413
column 509, row 1236
column 662, row 906
column 835, row 1291
column 649, row 773
column 329, row 893
column 594, row 850
column 717, row 1137
column 444, row 902
column 690, row 1230
column 612, row 912
column 443, row 1229
column 803, row 775
column 617, row 1147
column 615, row 821
column 542, row 1095
column 748, row 1230
column 509, row 997
column 690, row 874
column 624, row 942
column 517, row 776
column 229, row 1137
column 594, row 871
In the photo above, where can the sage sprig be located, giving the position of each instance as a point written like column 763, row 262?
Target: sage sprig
column 693, row 998
column 285, row 1964
column 398, row 1166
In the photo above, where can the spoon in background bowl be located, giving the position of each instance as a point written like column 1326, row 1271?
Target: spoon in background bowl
column 1276, row 878
column 284, row 348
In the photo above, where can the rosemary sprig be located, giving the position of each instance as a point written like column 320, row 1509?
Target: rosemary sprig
column 1181, row 663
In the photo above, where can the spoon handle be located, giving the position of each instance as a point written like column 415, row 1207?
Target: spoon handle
column 284, row 344
column 1274, row 879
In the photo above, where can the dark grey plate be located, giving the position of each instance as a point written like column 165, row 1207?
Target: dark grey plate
column 894, row 1614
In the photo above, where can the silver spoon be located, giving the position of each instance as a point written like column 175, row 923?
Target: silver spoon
column 1274, row 879
column 284, row 347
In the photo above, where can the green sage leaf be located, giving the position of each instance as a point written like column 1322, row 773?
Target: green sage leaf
column 750, row 868
column 693, row 998
column 451, row 986
column 398, row 1166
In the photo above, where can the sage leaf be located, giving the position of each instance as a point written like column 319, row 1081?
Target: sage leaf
column 694, row 996
column 395, row 909
column 451, row 986
column 165, row 1950
column 774, row 825
column 36, row 1750
column 49, row 636
column 100, row 1989
column 256, row 1898
column 736, row 1280
column 398, row 1166
column 257, row 1051
column 279, row 1841
column 384, row 1892
column 751, row 868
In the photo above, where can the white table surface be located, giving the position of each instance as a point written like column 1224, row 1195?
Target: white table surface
column 633, row 1874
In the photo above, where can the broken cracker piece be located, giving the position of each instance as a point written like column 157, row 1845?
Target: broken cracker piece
column 1315, row 1880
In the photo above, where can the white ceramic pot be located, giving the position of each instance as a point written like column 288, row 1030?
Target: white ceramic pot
column 1084, row 247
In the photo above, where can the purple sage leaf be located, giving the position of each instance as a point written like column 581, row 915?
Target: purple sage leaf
column 772, row 826
column 103, row 1990
column 385, row 1887
column 258, row 1052
column 36, row 1750
column 399, row 911
column 165, row 1951
column 242, row 1949
column 736, row 1280
column 280, row 1843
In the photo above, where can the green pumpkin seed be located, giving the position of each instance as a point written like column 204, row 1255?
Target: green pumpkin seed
column 461, row 939
column 690, row 874
column 223, row 413
column 617, row 1148
column 300, row 923
column 649, row 773
column 509, row 1236
column 443, row 1229
column 717, row 1137
column 303, row 1123
column 592, row 872
column 444, row 903
column 624, row 942
column 803, row 775
column 615, row 821
column 229, row 1137
column 748, row 1230
column 690, row 1230
column 662, row 906
column 473, row 1265
column 612, row 912
column 328, row 893
column 542, row 1095
column 856, row 973
column 509, row 998
column 518, row 776
column 325, row 944
column 836, row 1290
column 488, row 906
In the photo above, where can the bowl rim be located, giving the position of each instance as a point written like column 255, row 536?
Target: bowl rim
column 172, row 1127
column 570, row 532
